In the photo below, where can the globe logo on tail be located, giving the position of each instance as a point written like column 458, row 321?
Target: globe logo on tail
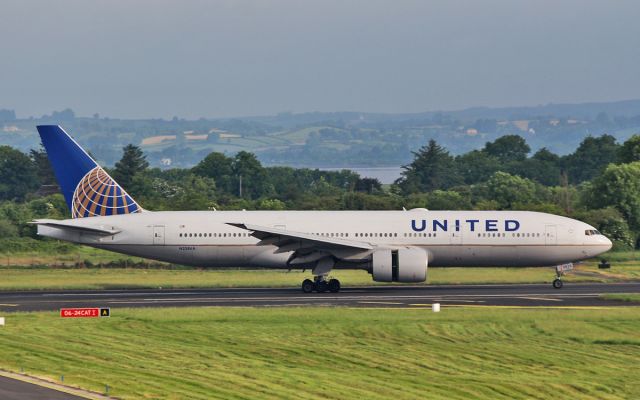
column 98, row 194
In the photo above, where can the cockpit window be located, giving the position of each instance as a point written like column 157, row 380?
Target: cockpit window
column 591, row 232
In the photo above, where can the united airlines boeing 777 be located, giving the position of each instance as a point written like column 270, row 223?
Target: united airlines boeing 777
column 393, row 246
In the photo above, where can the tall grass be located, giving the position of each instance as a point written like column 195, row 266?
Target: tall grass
column 335, row 353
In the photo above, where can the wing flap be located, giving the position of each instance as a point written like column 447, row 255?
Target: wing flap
column 282, row 238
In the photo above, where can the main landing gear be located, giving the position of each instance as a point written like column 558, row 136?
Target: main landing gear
column 320, row 284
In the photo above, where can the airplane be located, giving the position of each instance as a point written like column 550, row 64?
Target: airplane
column 393, row 246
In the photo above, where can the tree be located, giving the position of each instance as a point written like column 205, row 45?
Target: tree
column 476, row 166
column 630, row 150
column 18, row 175
column 65, row 115
column 618, row 187
column 363, row 201
column 543, row 167
column 133, row 162
column 271, row 204
column 368, row 185
column 432, row 168
column 438, row 200
column 43, row 166
column 508, row 148
column 591, row 158
column 249, row 177
column 220, row 168
column 7, row 115
column 509, row 189
column 195, row 193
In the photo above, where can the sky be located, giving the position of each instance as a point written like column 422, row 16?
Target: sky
column 192, row 59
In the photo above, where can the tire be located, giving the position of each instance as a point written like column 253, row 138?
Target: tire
column 334, row 286
column 321, row 286
column 307, row 286
column 557, row 284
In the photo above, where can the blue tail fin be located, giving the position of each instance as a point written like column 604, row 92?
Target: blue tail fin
column 87, row 188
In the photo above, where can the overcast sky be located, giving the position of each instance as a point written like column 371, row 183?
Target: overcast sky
column 195, row 59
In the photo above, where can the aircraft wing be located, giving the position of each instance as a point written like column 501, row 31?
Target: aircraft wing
column 53, row 223
column 300, row 242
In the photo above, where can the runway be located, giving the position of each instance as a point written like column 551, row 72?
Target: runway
column 532, row 295
column 22, row 387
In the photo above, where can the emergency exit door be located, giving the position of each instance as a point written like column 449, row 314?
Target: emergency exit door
column 551, row 235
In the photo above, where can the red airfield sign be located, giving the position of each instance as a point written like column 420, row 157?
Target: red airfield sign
column 84, row 312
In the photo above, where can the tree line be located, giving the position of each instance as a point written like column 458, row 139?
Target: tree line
column 598, row 183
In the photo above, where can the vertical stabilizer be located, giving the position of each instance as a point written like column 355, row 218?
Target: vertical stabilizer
column 87, row 188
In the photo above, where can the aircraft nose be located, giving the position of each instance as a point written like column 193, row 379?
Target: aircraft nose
column 609, row 243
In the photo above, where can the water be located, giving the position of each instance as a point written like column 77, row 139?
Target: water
column 383, row 174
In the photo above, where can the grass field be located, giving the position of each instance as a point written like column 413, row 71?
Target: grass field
column 627, row 297
column 65, row 270
column 116, row 278
column 229, row 353
column 69, row 254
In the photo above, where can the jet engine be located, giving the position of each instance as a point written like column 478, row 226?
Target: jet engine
column 402, row 265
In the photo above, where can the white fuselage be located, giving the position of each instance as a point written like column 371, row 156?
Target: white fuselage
column 450, row 238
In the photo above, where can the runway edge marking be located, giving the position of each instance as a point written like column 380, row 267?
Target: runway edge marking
column 43, row 382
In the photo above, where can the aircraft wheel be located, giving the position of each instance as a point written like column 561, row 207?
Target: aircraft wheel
column 307, row 286
column 334, row 285
column 321, row 286
column 557, row 284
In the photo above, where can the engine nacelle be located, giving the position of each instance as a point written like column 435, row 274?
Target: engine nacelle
column 403, row 265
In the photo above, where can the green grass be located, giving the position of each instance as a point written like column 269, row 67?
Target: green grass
column 63, row 268
column 68, row 255
column 40, row 278
column 335, row 353
column 628, row 297
column 618, row 256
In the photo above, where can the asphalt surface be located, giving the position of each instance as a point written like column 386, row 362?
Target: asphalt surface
column 534, row 295
column 11, row 389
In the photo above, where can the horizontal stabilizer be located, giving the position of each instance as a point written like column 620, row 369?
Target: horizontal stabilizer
column 53, row 223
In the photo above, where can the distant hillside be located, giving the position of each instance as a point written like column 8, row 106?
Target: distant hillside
column 336, row 139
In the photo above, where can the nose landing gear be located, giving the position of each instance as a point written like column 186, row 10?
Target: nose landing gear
column 320, row 284
column 560, row 270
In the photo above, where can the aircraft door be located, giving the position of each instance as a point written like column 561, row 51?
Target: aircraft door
column 158, row 235
column 456, row 237
column 551, row 235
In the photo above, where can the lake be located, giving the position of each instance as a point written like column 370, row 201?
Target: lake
column 383, row 174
